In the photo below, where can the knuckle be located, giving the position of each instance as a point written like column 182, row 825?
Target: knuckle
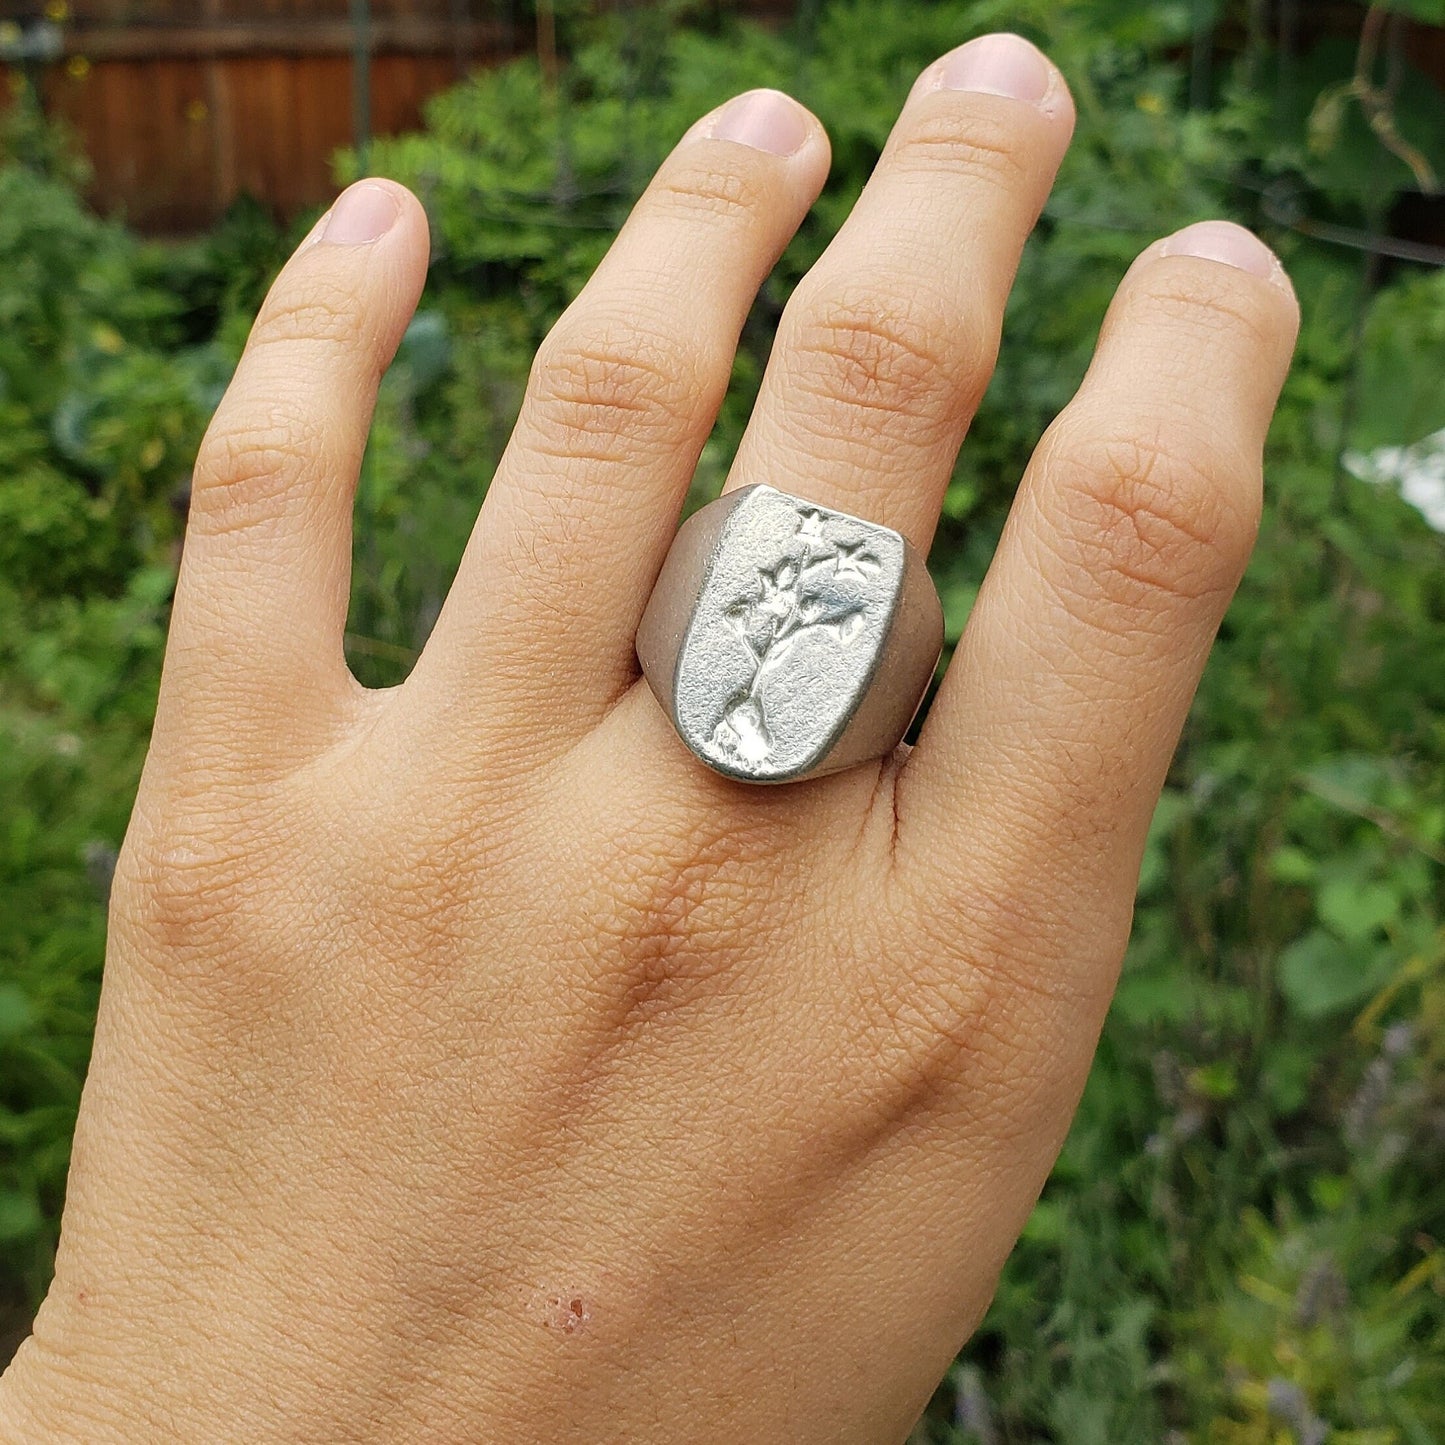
column 314, row 308
column 1147, row 514
column 965, row 144
column 205, row 897
column 1212, row 299
column 927, row 1033
column 253, row 469
column 917, row 1025
column 611, row 381
column 703, row 190
column 189, row 901
column 887, row 354
column 657, row 922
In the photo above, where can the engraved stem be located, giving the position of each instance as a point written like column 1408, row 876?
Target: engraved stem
column 790, row 624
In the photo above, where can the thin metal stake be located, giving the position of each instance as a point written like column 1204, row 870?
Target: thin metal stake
column 361, row 82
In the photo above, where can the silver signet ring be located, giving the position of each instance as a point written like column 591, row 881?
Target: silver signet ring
column 785, row 640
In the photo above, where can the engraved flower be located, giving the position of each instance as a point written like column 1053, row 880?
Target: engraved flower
column 810, row 528
column 854, row 561
column 776, row 595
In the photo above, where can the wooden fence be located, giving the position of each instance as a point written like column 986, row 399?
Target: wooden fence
column 182, row 109
column 182, row 105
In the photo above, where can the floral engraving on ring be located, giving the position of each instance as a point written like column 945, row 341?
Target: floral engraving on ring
column 799, row 594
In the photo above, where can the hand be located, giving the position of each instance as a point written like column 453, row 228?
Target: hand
column 473, row 1064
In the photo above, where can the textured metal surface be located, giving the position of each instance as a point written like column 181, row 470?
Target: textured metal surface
column 785, row 640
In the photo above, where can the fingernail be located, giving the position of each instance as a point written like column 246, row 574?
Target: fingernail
column 362, row 213
column 1226, row 242
column 766, row 120
column 998, row 65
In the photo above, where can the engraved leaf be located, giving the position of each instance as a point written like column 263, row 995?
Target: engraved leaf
column 779, row 651
column 829, row 607
column 744, row 619
column 847, row 627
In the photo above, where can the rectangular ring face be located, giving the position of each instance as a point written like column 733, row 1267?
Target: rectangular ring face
column 786, row 634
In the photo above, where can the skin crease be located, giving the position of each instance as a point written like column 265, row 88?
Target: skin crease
column 473, row 1065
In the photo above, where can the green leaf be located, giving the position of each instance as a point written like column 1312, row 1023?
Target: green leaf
column 958, row 598
column 1356, row 909
column 1293, row 865
column 1320, row 975
column 1216, row 1080
column 20, row 1216
column 16, row 1014
column 1432, row 12
column 1329, row 1191
column 1154, row 995
column 1047, row 1225
column 1286, row 1076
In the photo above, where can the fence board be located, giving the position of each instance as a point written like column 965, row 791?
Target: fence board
column 174, row 141
column 182, row 105
column 184, row 12
column 417, row 34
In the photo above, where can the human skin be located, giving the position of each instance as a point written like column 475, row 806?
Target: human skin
column 475, row 1065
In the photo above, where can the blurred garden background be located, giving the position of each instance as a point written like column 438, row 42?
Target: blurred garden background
column 1244, row 1241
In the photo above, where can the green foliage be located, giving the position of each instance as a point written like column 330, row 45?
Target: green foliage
column 1241, row 1242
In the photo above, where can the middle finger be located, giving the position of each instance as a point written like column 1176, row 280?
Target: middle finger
column 887, row 346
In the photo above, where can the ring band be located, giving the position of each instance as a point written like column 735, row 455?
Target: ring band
column 785, row 640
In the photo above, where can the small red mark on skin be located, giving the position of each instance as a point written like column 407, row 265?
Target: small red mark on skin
column 567, row 1313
